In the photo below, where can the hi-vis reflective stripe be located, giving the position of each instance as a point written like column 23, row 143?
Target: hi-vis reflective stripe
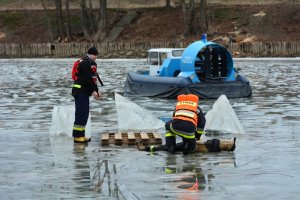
column 200, row 132
column 169, row 134
column 78, row 128
column 186, row 113
column 151, row 148
column 190, row 103
column 182, row 135
column 76, row 86
column 169, row 170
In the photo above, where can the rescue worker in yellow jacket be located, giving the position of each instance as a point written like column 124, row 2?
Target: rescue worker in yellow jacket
column 188, row 122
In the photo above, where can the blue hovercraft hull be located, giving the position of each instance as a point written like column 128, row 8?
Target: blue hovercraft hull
column 171, row 87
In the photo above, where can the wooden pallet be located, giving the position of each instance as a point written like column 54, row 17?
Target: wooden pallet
column 130, row 138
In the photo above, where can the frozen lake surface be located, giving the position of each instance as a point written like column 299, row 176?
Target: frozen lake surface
column 33, row 165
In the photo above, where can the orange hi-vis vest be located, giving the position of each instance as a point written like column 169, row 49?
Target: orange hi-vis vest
column 186, row 108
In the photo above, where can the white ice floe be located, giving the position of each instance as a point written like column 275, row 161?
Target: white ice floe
column 63, row 119
column 133, row 117
column 222, row 118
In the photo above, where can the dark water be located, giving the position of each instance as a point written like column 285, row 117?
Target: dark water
column 33, row 165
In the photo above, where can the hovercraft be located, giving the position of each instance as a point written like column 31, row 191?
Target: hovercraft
column 203, row 68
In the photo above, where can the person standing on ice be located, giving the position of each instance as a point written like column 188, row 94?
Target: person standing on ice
column 84, row 74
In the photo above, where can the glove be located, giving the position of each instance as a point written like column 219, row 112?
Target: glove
column 197, row 136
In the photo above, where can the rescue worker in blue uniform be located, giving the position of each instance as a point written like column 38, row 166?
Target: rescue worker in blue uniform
column 188, row 122
column 84, row 86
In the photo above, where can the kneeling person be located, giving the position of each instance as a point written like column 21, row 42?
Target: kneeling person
column 188, row 123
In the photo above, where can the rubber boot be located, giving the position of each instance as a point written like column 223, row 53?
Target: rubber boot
column 81, row 140
column 189, row 146
column 170, row 142
column 142, row 147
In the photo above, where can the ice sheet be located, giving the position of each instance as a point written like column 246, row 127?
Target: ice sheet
column 222, row 118
column 133, row 117
column 63, row 119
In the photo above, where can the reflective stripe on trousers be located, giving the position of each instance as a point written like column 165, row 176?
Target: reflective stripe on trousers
column 199, row 131
column 182, row 134
column 81, row 114
column 78, row 128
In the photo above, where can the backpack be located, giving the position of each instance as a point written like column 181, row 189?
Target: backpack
column 75, row 69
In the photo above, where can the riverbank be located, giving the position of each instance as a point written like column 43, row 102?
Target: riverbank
column 139, row 50
column 134, row 50
column 246, row 29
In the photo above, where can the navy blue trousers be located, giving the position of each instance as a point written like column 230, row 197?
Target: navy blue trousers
column 187, row 145
column 82, row 109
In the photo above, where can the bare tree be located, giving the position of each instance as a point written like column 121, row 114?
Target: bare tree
column 203, row 19
column 49, row 24
column 85, row 20
column 59, row 19
column 168, row 3
column 94, row 31
column 188, row 16
column 293, row 5
column 184, row 16
column 102, row 21
column 68, row 23
column 91, row 17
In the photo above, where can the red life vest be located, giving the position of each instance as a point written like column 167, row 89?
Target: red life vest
column 75, row 70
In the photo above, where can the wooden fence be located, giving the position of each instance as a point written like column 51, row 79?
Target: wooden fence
column 138, row 50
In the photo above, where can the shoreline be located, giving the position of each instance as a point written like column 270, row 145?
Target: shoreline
column 116, row 4
column 231, row 24
column 145, row 59
column 133, row 50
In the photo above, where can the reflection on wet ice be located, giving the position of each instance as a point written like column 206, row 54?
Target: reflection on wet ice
column 81, row 169
column 265, row 164
column 104, row 178
column 189, row 173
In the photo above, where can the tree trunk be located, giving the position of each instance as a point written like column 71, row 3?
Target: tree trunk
column 293, row 5
column 188, row 16
column 185, row 27
column 85, row 20
column 203, row 20
column 94, row 31
column 91, row 18
column 168, row 3
column 59, row 19
column 48, row 20
column 67, row 25
column 102, row 21
column 191, row 17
